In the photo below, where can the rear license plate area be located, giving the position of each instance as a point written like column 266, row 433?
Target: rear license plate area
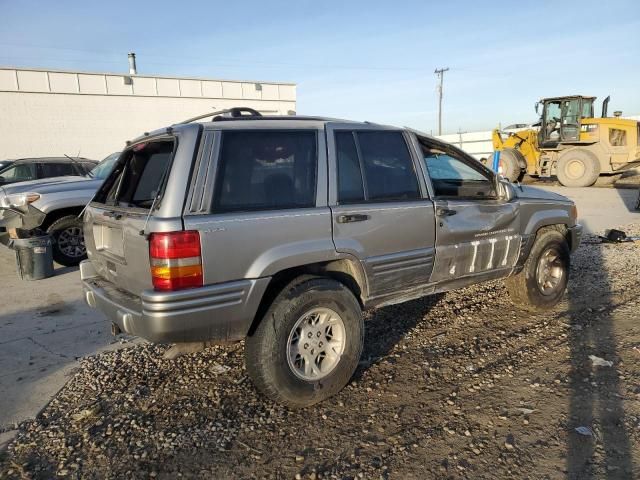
column 109, row 239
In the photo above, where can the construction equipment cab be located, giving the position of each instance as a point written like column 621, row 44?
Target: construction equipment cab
column 571, row 144
column 561, row 118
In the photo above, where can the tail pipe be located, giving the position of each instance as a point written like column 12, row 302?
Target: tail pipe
column 605, row 106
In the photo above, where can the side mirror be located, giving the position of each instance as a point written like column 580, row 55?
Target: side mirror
column 537, row 107
column 505, row 189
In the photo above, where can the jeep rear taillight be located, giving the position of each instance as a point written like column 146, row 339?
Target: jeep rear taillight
column 175, row 260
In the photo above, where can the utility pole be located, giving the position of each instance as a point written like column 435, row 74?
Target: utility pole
column 440, row 73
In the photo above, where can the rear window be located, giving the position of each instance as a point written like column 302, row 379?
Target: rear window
column 266, row 170
column 138, row 180
column 388, row 166
column 51, row 169
column 383, row 159
column 350, row 186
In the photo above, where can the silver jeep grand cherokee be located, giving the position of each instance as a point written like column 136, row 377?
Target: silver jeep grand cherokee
column 281, row 230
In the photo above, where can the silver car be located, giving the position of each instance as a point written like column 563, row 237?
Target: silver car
column 53, row 205
column 281, row 230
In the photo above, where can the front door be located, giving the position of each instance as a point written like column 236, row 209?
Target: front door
column 549, row 135
column 477, row 232
column 571, row 115
column 381, row 213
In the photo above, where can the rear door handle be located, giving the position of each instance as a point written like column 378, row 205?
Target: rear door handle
column 356, row 217
column 445, row 212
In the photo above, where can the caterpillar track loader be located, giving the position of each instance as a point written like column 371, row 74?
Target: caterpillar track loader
column 571, row 143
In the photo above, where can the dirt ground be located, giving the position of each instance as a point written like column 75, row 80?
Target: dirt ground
column 461, row 385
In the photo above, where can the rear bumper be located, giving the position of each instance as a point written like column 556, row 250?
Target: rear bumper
column 575, row 236
column 217, row 312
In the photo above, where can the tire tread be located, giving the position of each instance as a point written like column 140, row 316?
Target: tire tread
column 520, row 287
column 57, row 255
column 259, row 346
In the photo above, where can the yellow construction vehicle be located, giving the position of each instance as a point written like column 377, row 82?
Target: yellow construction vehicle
column 571, row 143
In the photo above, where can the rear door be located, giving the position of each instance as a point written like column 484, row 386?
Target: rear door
column 259, row 199
column 139, row 196
column 381, row 213
column 477, row 232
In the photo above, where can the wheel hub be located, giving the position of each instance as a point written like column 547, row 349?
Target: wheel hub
column 550, row 271
column 316, row 343
column 71, row 242
column 575, row 169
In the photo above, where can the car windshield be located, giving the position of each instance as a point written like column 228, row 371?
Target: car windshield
column 103, row 169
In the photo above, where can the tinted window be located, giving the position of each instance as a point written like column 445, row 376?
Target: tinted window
column 453, row 177
column 444, row 167
column 51, row 169
column 350, row 188
column 19, row 173
column 262, row 170
column 388, row 168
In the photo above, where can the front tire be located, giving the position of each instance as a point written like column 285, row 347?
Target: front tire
column 67, row 238
column 543, row 280
column 510, row 164
column 308, row 344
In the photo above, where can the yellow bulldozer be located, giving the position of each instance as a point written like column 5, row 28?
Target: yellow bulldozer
column 570, row 143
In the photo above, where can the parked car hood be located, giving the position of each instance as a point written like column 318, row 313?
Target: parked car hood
column 51, row 185
column 534, row 193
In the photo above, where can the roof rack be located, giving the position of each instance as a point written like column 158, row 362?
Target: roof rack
column 235, row 112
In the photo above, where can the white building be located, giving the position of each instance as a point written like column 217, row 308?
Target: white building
column 53, row 112
column 477, row 144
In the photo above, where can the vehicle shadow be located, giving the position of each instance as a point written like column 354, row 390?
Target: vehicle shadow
column 380, row 340
column 602, row 449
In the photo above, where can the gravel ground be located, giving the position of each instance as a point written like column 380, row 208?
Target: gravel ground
column 461, row 385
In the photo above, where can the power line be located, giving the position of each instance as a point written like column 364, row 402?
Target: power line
column 199, row 61
column 440, row 73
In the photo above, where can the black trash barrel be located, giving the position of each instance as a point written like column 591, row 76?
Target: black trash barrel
column 34, row 257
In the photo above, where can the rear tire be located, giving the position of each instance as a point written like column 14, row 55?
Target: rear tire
column 510, row 162
column 67, row 238
column 578, row 168
column 543, row 280
column 314, row 319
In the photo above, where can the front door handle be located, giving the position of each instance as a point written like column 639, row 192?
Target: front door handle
column 356, row 217
column 445, row 212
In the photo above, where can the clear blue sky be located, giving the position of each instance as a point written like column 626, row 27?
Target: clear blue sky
column 359, row 59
